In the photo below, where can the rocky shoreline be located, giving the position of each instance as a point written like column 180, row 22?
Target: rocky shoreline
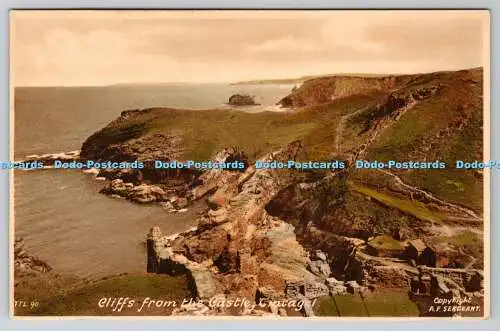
column 274, row 235
column 26, row 264
column 239, row 250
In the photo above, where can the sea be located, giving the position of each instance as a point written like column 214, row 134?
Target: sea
column 59, row 213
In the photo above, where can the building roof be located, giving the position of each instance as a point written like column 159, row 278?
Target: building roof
column 418, row 244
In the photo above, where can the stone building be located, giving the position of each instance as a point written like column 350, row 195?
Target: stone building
column 419, row 252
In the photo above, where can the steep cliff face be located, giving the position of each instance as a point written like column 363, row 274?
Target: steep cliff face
column 326, row 89
column 118, row 131
column 238, row 247
column 333, row 206
column 264, row 225
column 431, row 117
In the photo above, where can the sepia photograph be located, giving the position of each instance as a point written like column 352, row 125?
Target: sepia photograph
column 274, row 164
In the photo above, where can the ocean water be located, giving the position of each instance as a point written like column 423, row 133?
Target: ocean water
column 60, row 214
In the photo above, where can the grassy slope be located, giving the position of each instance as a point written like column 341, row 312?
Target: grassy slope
column 386, row 242
column 207, row 131
column 388, row 303
column 62, row 297
column 406, row 138
column 407, row 206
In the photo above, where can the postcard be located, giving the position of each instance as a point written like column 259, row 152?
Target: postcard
column 262, row 164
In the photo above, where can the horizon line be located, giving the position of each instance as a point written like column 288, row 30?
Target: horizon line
column 242, row 82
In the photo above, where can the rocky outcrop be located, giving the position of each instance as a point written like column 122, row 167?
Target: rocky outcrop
column 325, row 89
column 242, row 100
column 278, row 234
column 139, row 193
column 173, row 188
column 219, row 182
column 26, row 264
column 374, row 121
column 163, row 259
column 376, row 272
column 145, row 149
column 104, row 143
column 123, row 142
column 237, row 247
column 149, row 147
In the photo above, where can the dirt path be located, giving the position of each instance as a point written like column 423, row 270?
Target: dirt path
column 450, row 231
column 341, row 125
column 432, row 198
column 382, row 126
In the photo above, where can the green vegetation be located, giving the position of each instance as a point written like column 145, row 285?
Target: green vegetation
column 82, row 299
column 449, row 183
column 326, row 306
column 350, row 305
column 206, row 131
column 368, row 215
column 386, row 242
column 465, row 238
column 447, row 127
column 42, row 286
column 332, row 191
column 399, row 140
column 470, row 242
column 415, row 208
column 386, row 303
column 390, row 303
column 456, row 185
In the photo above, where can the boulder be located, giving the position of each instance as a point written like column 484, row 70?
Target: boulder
column 203, row 282
column 336, row 286
column 167, row 205
column 315, row 290
column 180, row 203
column 147, row 193
column 141, row 193
column 306, row 289
column 338, row 290
column 321, row 255
column 25, row 263
column 353, row 287
column 320, row 268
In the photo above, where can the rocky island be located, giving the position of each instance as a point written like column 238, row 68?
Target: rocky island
column 242, row 100
column 318, row 237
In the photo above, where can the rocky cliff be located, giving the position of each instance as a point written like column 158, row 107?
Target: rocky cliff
column 326, row 89
column 302, row 234
column 238, row 249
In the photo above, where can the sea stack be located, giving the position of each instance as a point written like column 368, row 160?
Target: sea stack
column 242, row 100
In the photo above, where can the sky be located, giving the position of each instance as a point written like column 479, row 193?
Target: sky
column 82, row 48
